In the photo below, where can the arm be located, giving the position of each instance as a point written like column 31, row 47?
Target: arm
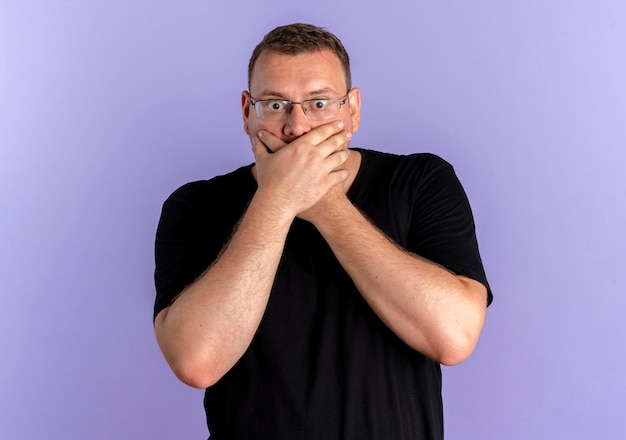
column 211, row 323
column 209, row 326
column 432, row 310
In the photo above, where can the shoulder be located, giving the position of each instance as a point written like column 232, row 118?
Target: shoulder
column 415, row 167
column 219, row 200
column 226, row 185
column 417, row 160
column 238, row 177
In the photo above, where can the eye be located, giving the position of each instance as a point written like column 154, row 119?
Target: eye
column 318, row 105
column 275, row 105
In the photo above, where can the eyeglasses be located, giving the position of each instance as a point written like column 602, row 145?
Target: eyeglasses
column 318, row 109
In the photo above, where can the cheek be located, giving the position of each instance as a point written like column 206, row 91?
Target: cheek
column 275, row 128
column 254, row 126
column 348, row 123
column 355, row 124
column 251, row 126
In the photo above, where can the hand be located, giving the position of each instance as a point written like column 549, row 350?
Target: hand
column 329, row 206
column 297, row 175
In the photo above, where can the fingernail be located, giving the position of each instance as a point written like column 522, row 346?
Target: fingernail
column 348, row 135
column 260, row 134
column 340, row 124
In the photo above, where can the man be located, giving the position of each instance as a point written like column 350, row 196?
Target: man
column 316, row 292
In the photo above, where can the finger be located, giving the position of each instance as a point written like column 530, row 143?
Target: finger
column 342, row 140
column 259, row 149
column 338, row 158
column 322, row 133
column 337, row 142
column 271, row 142
column 338, row 176
column 336, row 162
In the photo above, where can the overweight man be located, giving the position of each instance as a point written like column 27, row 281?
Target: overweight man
column 315, row 292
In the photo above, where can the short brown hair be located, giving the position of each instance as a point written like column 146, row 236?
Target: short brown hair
column 297, row 38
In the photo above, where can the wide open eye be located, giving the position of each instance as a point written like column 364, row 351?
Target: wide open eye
column 319, row 105
column 275, row 106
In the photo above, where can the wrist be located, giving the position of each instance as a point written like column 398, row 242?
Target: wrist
column 331, row 212
column 265, row 207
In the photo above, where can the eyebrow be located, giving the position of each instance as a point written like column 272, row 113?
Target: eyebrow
column 278, row 95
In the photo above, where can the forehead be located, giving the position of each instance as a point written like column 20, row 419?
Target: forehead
column 297, row 75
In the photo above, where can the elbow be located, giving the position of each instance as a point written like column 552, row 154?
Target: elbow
column 460, row 337
column 191, row 364
column 456, row 349
column 194, row 373
column 454, row 356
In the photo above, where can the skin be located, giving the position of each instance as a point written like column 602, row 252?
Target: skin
column 306, row 174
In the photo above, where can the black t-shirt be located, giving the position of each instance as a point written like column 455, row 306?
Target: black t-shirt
column 322, row 365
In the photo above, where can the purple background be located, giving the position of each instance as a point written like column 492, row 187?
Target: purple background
column 106, row 107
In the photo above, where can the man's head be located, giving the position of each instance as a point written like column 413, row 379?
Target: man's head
column 295, row 64
column 299, row 38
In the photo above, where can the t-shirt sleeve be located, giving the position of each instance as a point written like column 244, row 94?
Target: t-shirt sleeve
column 183, row 249
column 170, row 251
column 196, row 222
column 442, row 226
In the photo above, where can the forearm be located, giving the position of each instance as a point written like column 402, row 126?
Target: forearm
column 212, row 322
column 429, row 308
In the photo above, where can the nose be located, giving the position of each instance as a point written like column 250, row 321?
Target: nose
column 297, row 123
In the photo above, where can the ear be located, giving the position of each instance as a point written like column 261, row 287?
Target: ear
column 245, row 110
column 354, row 100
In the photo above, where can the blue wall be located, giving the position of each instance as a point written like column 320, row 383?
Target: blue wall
column 106, row 107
